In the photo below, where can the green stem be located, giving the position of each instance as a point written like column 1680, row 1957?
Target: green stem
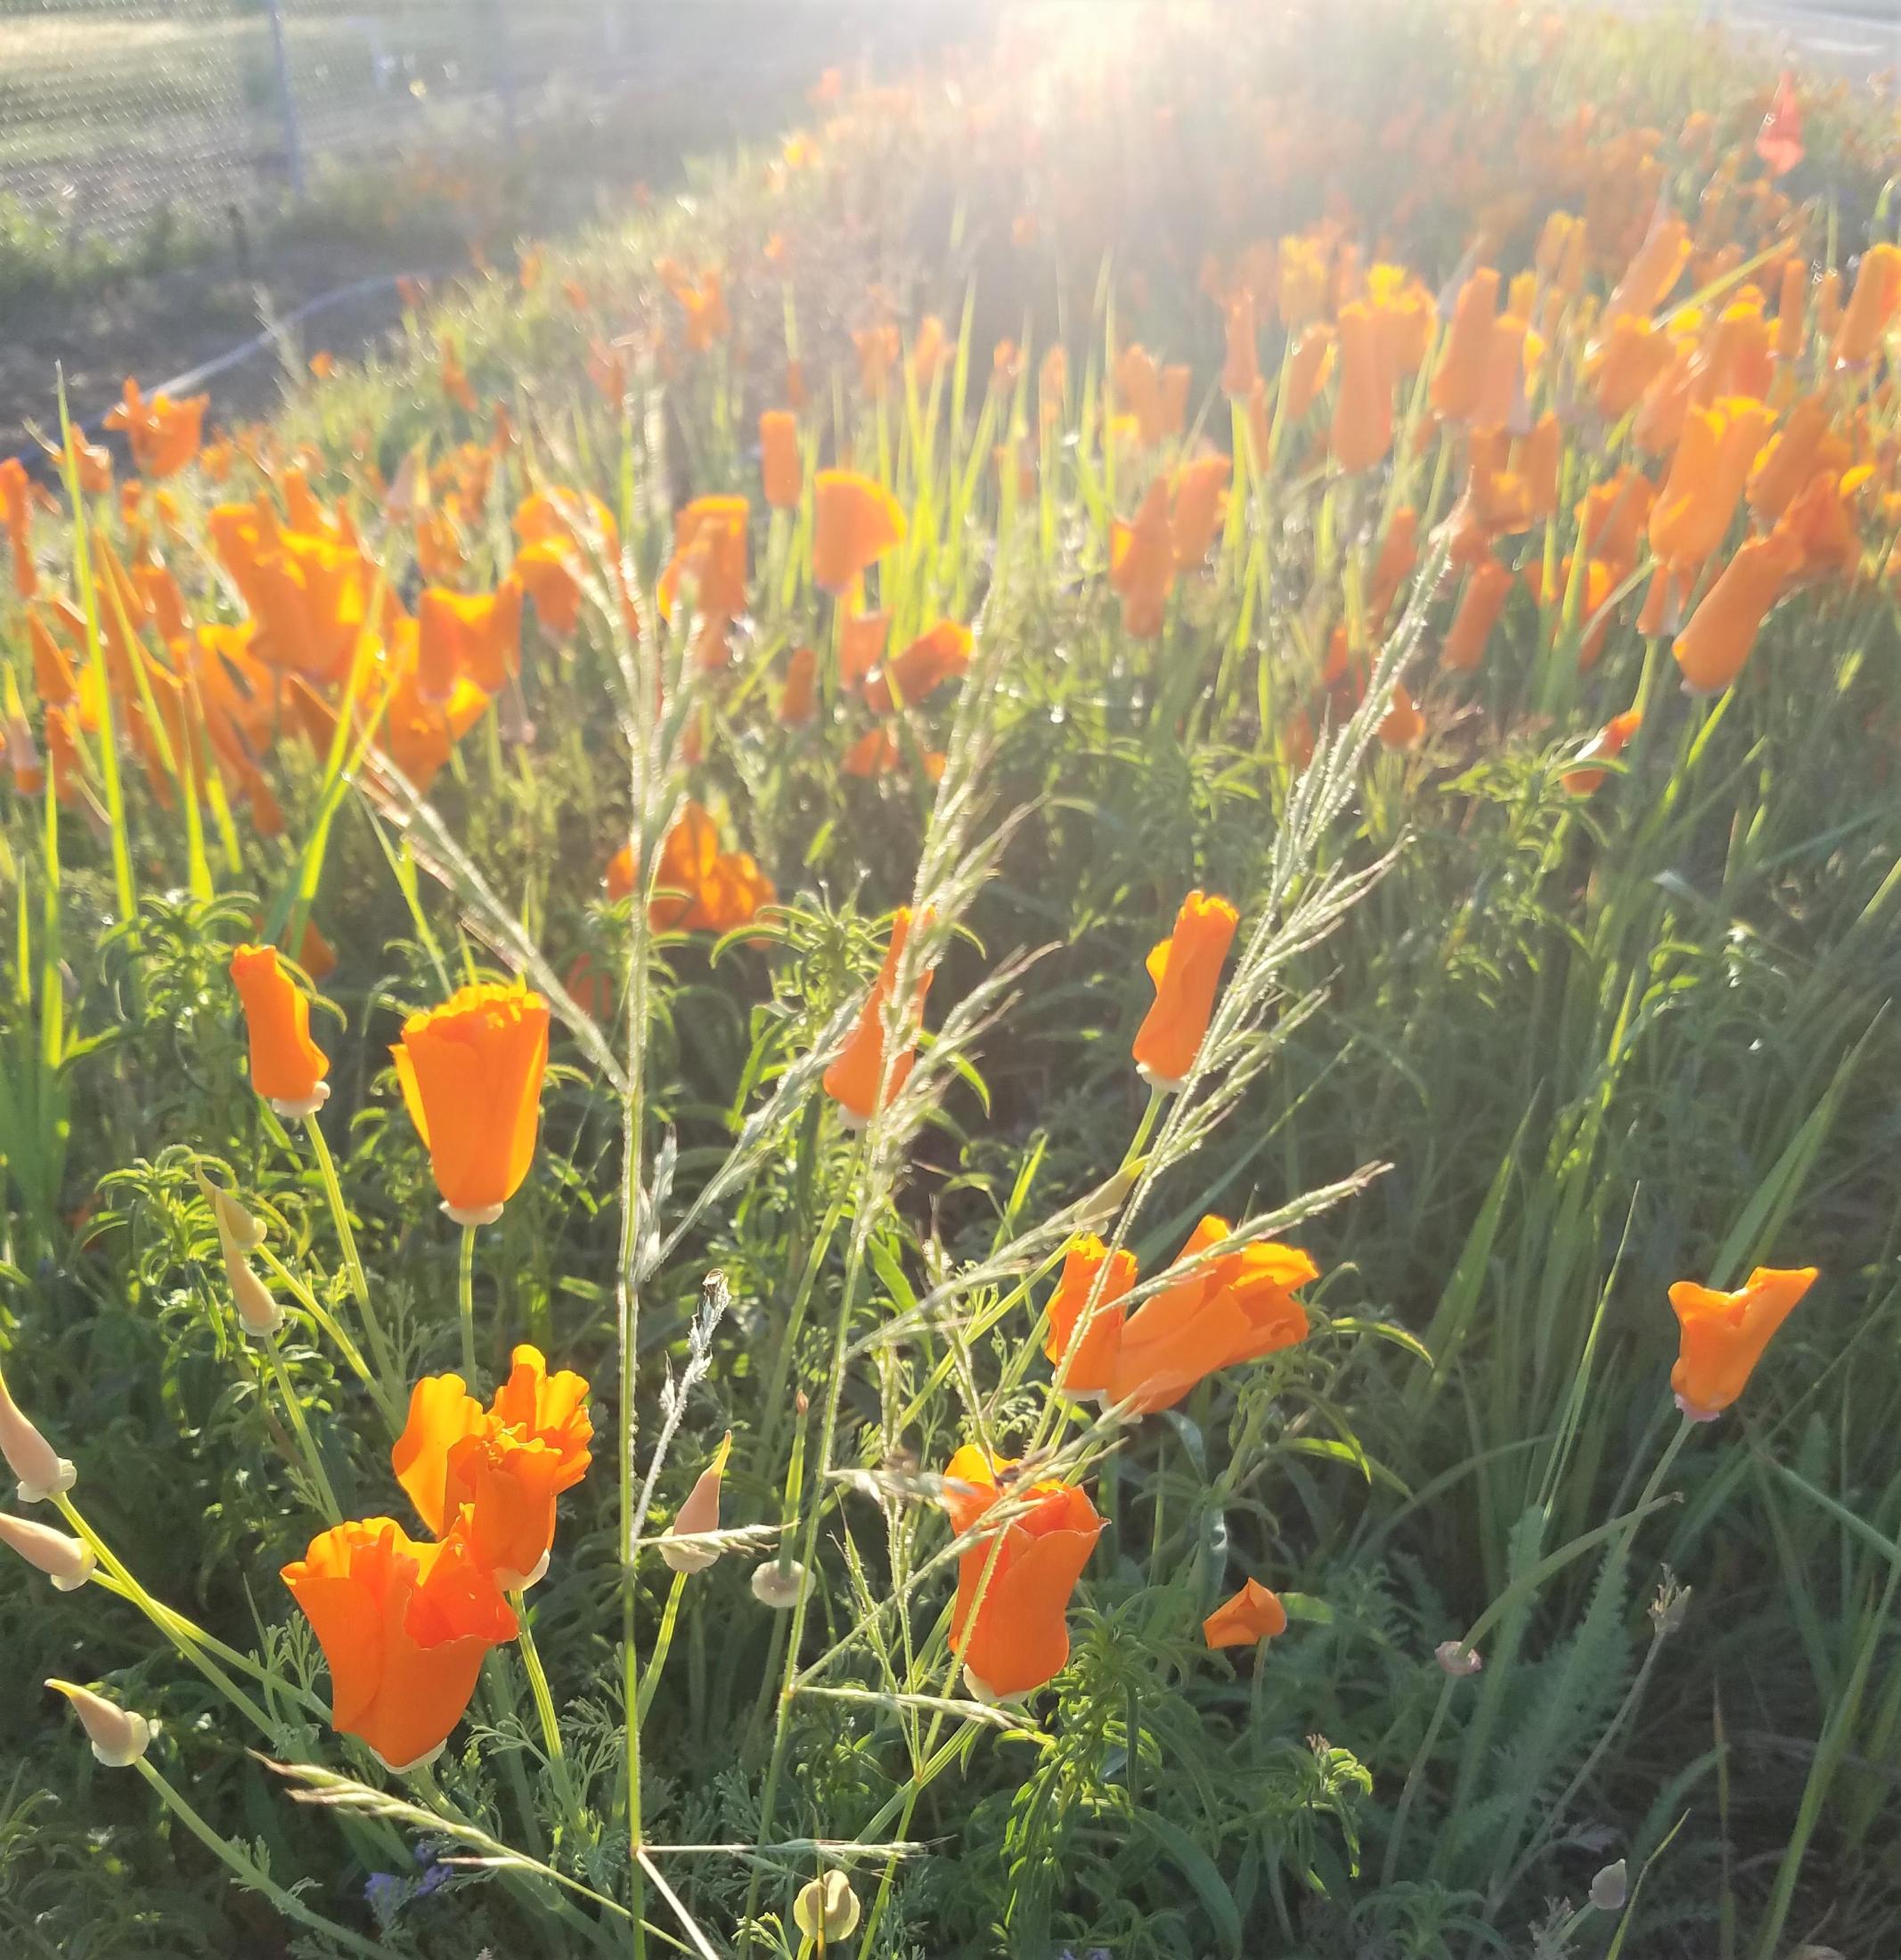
column 252, row 1876
column 657, row 1660
column 465, row 1295
column 530, row 1661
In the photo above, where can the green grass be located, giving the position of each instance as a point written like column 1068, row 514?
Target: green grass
column 1507, row 1060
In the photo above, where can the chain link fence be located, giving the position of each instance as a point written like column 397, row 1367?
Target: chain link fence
column 121, row 116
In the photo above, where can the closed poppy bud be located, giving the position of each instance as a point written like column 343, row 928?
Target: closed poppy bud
column 1501, row 393
column 1084, row 1364
column 1016, row 1635
column 1186, row 969
column 119, row 1736
column 825, row 1910
column 1403, row 726
column 1539, row 455
column 1871, row 308
column 67, row 1561
column 1201, row 506
column 470, row 1073
column 1238, row 1307
column 780, row 469
column 856, row 522
column 1723, row 1336
column 405, row 1627
column 1460, row 376
column 941, row 654
column 1693, row 510
column 500, row 1469
column 1650, row 275
column 1787, row 462
column 52, row 676
column 699, row 1515
column 1307, row 369
column 1253, row 1614
column 287, row 1066
column 259, row 1314
column 1480, row 606
column 859, row 1072
column 1362, row 430
column 798, row 699
column 1713, row 647
column 1142, row 563
column 1610, row 741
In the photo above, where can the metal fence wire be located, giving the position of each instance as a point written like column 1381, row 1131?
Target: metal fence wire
column 118, row 115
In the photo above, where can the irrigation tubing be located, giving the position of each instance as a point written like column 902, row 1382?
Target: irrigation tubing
column 272, row 334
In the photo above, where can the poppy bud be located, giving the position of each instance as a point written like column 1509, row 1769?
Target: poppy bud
column 287, row 1066
column 698, row 1515
column 856, row 1078
column 42, row 1472
column 856, row 520
column 67, row 1561
column 1610, row 1888
column 1460, row 376
column 798, row 699
column 1713, row 647
column 778, row 1586
column 1871, row 308
column 119, row 1736
column 826, row 1910
column 1362, row 430
column 1458, row 1658
column 1253, row 1614
column 238, row 1230
column 259, row 1314
column 1185, row 969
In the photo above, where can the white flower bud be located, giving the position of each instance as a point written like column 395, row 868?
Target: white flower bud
column 778, row 1587
column 67, row 1561
column 258, row 1312
column 119, row 1736
column 1610, row 1888
column 238, row 1230
column 826, row 1910
column 700, row 1512
column 42, row 1471
column 1458, row 1658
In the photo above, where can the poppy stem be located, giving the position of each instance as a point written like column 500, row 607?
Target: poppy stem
column 346, row 1239
column 300, row 1427
column 530, row 1661
column 1144, row 1130
column 465, row 1295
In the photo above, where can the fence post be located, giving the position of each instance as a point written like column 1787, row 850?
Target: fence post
column 286, row 99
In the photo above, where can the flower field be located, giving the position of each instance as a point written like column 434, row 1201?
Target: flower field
column 988, row 1046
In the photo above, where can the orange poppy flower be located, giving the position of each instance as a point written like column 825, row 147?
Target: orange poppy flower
column 469, row 635
column 1510, row 353
column 1402, row 726
column 1871, row 309
column 798, row 699
column 1714, row 646
column 404, row 1628
column 287, row 1066
column 1612, row 516
column 943, row 654
column 1201, row 507
column 1632, row 354
column 554, row 525
column 1693, row 510
column 1015, row 1637
column 1087, row 1369
column 1779, row 140
column 1398, row 555
column 1459, row 379
column 1403, row 318
column 781, row 471
column 860, row 647
column 1737, row 357
column 856, row 522
column 1242, row 368
column 1158, row 398
column 1309, row 368
column 1186, row 969
column 93, row 465
column 1580, row 779
column 1362, row 430
column 1486, row 589
column 1723, row 1336
column 499, row 1470
column 1789, row 458
column 1252, row 1615
column 470, row 1072
column 1235, row 1309
column 878, row 348
column 1821, row 524
column 1142, row 563
column 862, row 1066
column 164, row 435
column 1656, row 267
column 709, row 547
column 53, row 679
